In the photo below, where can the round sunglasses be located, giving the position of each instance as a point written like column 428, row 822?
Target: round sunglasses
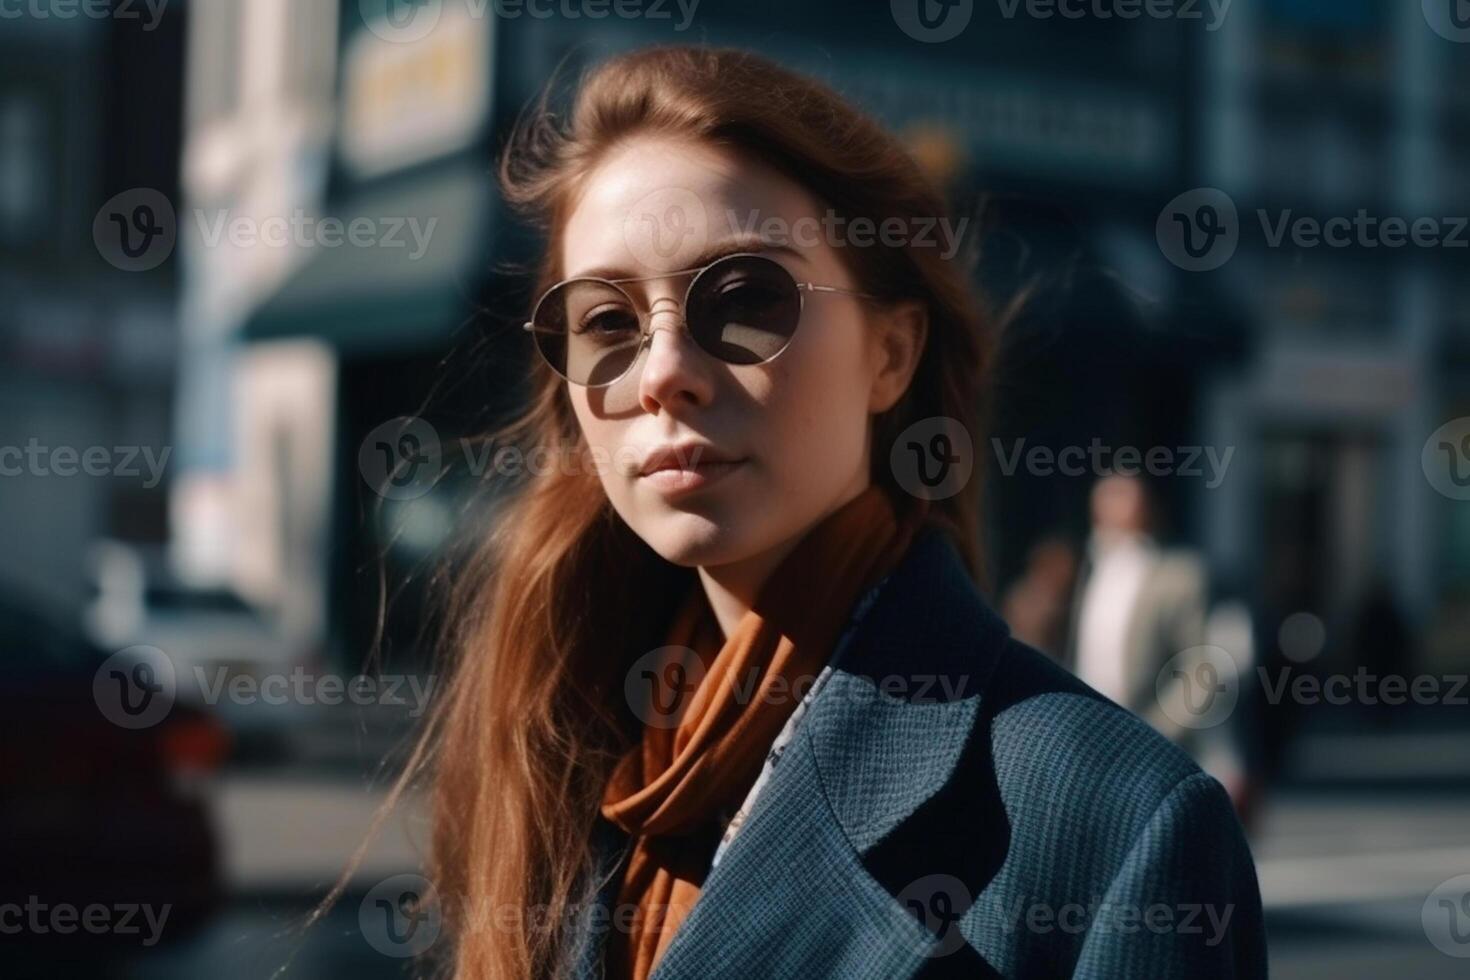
column 742, row 308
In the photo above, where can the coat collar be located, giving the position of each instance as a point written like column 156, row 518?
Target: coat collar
column 880, row 739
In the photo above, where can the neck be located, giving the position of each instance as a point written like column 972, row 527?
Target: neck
column 732, row 589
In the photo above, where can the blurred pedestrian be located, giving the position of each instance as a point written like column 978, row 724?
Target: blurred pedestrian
column 1137, row 606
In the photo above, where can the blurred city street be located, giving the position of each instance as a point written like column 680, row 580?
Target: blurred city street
column 1345, row 875
column 264, row 312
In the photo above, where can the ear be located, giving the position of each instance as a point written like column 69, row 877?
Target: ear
column 899, row 332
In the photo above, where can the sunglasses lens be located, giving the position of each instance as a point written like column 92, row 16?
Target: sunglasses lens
column 587, row 330
column 744, row 309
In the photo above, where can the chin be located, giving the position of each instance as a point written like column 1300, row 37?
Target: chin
column 694, row 539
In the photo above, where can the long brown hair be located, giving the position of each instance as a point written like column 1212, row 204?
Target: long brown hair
column 562, row 595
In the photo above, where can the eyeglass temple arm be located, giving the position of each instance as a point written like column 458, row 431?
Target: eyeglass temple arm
column 812, row 287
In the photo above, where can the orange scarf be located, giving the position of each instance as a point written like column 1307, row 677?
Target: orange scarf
column 668, row 791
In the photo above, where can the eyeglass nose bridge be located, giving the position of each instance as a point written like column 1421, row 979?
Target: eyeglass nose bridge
column 645, row 341
column 675, row 309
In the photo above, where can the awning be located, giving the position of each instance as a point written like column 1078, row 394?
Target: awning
column 413, row 286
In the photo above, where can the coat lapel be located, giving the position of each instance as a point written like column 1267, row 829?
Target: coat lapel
column 805, row 888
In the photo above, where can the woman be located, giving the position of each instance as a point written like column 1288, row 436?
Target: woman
column 728, row 699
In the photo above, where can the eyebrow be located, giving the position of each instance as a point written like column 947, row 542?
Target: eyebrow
column 730, row 246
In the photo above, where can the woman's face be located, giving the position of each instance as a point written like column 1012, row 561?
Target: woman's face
column 796, row 429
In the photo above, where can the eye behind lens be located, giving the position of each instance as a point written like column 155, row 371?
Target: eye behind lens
column 744, row 309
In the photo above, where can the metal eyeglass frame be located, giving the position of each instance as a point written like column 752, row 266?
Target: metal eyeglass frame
column 645, row 317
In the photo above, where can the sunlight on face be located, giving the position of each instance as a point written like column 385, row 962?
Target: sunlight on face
column 799, row 424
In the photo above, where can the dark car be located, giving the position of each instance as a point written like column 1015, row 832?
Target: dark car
column 106, row 844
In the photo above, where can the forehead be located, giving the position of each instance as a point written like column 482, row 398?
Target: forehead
column 657, row 205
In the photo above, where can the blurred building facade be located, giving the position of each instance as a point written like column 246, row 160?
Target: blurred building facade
column 86, row 346
column 254, row 425
column 1358, row 353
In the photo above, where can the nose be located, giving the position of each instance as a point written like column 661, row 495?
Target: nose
column 675, row 370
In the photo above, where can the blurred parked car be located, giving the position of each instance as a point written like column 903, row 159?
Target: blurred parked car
column 210, row 636
column 95, row 813
column 136, row 600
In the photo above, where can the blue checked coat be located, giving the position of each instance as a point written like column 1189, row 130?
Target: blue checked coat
column 954, row 804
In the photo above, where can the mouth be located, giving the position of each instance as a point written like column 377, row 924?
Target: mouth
column 676, row 477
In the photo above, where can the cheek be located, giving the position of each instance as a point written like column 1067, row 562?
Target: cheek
column 603, row 438
column 818, row 402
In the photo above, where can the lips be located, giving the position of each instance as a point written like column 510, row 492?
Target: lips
column 686, row 456
column 675, row 481
column 677, row 470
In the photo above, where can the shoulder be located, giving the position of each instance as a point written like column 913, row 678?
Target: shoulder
column 1040, row 716
column 1055, row 744
column 956, row 759
column 933, row 700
